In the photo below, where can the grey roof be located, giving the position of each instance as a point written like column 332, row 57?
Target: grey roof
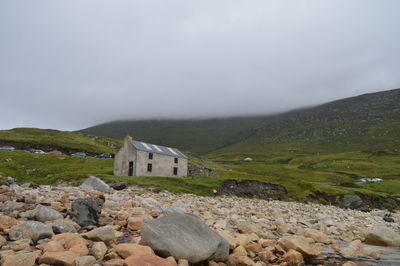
column 143, row 146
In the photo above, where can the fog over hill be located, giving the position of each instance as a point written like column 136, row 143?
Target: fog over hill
column 369, row 121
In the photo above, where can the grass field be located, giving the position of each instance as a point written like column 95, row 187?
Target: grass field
column 301, row 174
column 54, row 139
column 50, row 169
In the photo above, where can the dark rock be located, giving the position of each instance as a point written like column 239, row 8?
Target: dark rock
column 86, row 211
column 365, row 209
column 119, row 185
column 388, row 219
column 94, row 183
column 184, row 236
column 252, row 188
column 30, row 185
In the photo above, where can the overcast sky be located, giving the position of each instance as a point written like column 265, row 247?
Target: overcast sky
column 70, row 64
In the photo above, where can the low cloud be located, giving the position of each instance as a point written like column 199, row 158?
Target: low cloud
column 71, row 64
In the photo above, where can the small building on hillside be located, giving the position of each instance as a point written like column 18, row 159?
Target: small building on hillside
column 137, row 158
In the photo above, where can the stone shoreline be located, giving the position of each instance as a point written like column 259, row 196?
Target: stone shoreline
column 38, row 227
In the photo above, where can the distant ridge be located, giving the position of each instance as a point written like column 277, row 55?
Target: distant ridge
column 366, row 122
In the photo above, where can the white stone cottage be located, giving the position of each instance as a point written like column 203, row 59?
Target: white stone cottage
column 137, row 158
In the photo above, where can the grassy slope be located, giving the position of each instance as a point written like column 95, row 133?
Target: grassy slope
column 198, row 136
column 54, row 139
column 331, row 173
column 300, row 174
column 366, row 122
column 50, row 169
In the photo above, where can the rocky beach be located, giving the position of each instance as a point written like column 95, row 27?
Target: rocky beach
column 114, row 225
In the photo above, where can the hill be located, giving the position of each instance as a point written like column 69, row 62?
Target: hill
column 65, row 141
column 198, row 136
column 366, row 122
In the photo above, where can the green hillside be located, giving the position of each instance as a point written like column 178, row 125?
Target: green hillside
column 65, row 141
column 198, row 136
column 366, row 122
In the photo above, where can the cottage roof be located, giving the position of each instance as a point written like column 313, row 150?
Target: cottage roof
column 143, row 146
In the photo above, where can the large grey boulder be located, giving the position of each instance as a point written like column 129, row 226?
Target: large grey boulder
column 31, row 229
column 94, row 183
column 382, row 236
column 86, row 211
column 44, row 214
column 184, row 236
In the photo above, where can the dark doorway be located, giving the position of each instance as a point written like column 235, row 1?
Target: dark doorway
column 130, row 169
column 175, row 170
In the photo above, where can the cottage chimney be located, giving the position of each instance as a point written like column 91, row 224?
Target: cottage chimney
column 128, row 138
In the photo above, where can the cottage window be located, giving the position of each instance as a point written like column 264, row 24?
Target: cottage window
column 176, row 160
column 150, row 156
column 175, row 170
column 149, row 167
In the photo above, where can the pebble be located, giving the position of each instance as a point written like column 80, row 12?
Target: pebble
column 258, row 232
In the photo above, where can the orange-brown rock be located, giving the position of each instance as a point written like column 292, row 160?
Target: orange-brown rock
column 254, row 247
column 114, row 262
column 23, row 259
column 148, row 260
column 240, row 250
column 7, row 222
column 293, row 258
column 111, row 255
column 66, row 258
column 265, row 255
column 317, row 236
column 80, row 249
column 71, row 239
column 301, row 244
column 52, row 246
column 3, row 189
column 237, row 259
column 135, row 223
column 126, row 250
column 121, row 223
column 58, row 206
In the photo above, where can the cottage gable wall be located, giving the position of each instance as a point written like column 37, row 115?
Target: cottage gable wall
column 126, row 154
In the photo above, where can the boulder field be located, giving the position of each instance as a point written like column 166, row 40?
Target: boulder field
column 98, row 225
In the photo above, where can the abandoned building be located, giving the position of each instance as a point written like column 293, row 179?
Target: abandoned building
column 137, row 158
